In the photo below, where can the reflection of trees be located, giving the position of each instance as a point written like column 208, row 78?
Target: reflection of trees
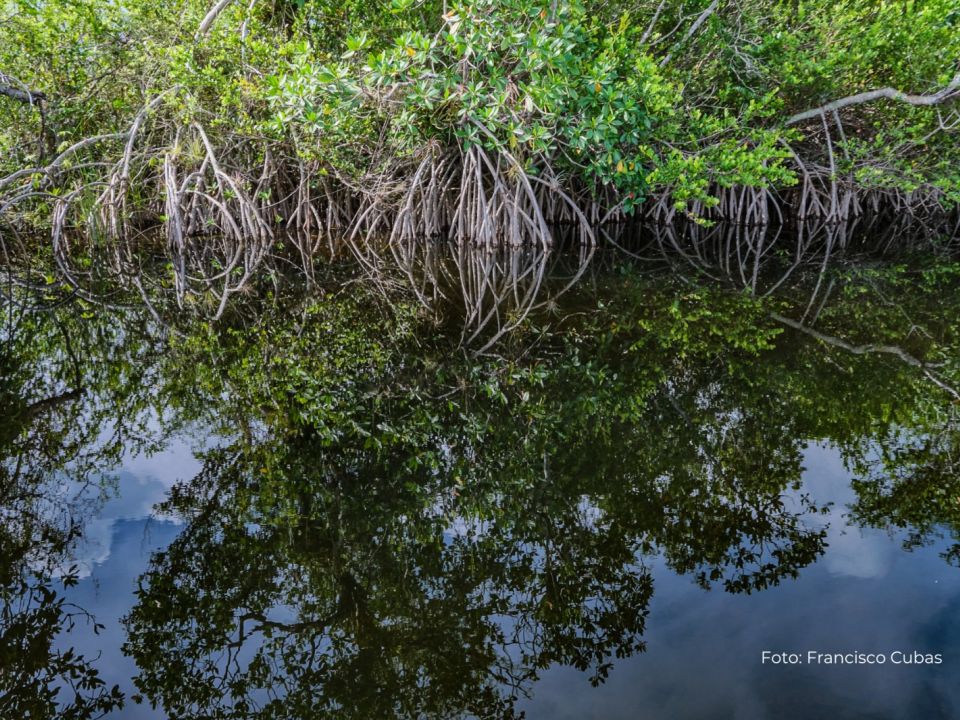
column 358, row 602
column 397, row 530
column 37, row 680
column 36, row 531
column 342, row 592
column 913, row 484
column 462, row 529
column 894, row 417
column 65, row 380
column 892, row 334
column 399, row 533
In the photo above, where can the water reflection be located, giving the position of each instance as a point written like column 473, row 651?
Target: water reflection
column 382, row 525
column 489, row 292
column 41, row 519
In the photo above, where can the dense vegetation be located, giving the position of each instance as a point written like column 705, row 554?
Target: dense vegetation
column 487, row 120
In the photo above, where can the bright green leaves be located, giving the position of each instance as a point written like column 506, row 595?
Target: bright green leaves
column 356, row 43
column 613, row 98
column 550, row 85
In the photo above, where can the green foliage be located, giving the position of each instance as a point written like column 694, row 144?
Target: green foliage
column 666, row 419
column 619, row 99
column 550, row 85
column 55, row 457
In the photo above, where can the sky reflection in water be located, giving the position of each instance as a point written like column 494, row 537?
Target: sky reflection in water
column 649, row 483
column 703, row 647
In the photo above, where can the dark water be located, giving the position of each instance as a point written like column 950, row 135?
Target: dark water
column 461, row 484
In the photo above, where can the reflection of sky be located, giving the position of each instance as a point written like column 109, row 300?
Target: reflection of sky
column 142, row 483
column 703, row 648
column 114, row 550
column 703, row 653
column 853, row 552
column 108, row 593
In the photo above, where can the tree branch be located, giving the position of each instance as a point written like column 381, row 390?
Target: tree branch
column 211, row 17
column 854, row 349
column 41, row 406
column 653, row 23
column 925, row 367
column 12, row 88
column 25, row 96
column 945, row 93
column 701, row 19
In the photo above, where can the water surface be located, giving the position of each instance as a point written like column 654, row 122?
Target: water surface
column 449, row 483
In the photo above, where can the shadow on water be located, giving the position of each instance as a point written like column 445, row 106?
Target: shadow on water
column 441, row 471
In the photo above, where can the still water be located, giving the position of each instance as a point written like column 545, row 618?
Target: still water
column 557, row 485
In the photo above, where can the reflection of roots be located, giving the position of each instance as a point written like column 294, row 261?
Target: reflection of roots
column 491, row 292
column 816, row 197
column 223, row 207
column 763, row 258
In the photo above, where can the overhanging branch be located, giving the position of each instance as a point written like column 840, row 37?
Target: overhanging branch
column 24, row 96
column 949, row 91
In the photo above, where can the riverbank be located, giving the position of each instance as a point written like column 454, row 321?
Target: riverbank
column 488, row 123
